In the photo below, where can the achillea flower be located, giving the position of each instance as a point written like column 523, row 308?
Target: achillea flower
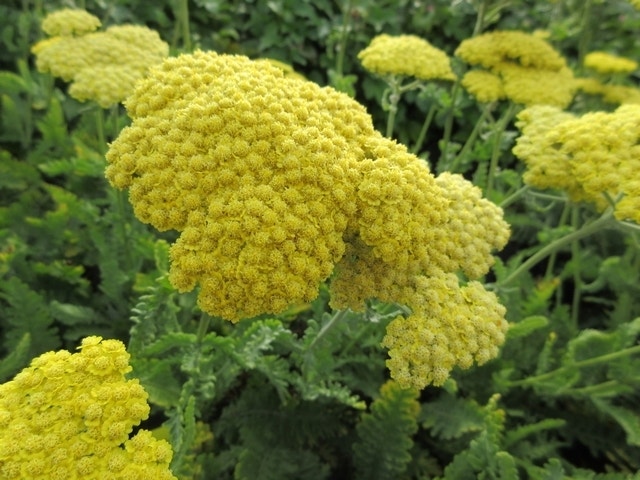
column 285, row 67
column 606, row 63
column 610, row 93
column 69, row 416
column 530, row 70
column 68, row 22
column 256, row 170
column 451, row 326
column 102, row 66
column 487, row 87
column 406, row 55
column 274, row 183
column 599, row 155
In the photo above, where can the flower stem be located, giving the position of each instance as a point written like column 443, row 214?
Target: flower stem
column 495, row 153
column 514, row 196
column 344, row 35
column 337, row 317
column 425, row 128
column 471, row 139
column 577, row 278
column 583, row 363
column 605, row 220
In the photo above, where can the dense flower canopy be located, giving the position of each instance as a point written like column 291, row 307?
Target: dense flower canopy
column 277, row 185
column 530, row 70
column 587, row 156
column 406, row 55
column 102, row 66
column 69, row 416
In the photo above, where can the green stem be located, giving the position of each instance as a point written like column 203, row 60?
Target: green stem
column 203, row 327
column 185, row 30
column 495, row 153
column 486, row 112
column 584, row 363
column 585, row 33
column 553, row 256
column 396, row 89
column 577, row 278
column 337, row 317
column 603, row 221
column 514, row 196
column 344, row 35
column 448, row 123
column 425, row 128
column 479, row 26
column 102, row 141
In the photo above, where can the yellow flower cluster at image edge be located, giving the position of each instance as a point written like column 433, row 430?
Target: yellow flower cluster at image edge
column 518, row 66
column 406, row 55
column 102, row 66
column 69, row 416
column 276, row 185
column 587, row 156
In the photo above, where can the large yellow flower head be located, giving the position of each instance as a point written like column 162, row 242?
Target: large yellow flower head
column 406, row 55
column 275, row 184
column 102, row 66
column 607, row 63
column 69, row 416
column 255, row 170
column 588, row 156
column 530, row 70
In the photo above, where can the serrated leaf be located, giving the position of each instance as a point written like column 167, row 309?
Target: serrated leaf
column 628, row 419
column 527, row 326
column 70, row 314
column 450, row 417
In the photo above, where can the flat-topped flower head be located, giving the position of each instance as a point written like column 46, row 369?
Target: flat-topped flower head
column 69, row 416
column 510, row 46
column 406, row 55
column 587, row 156
column 69, row 22
column 607, row 63
column 102, row 66
column 521, row 67
column 255, row 169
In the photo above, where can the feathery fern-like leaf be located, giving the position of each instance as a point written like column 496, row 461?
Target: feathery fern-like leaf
column 385, row 434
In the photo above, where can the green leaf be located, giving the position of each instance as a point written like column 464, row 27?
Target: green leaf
column 451, row 417
column 385, row 434
column 628, row 419
column 527, row 326
column 17, row 358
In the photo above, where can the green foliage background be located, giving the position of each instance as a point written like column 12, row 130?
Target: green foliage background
column 306, row 395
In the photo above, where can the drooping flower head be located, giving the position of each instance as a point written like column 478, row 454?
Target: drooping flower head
column 406, row 55
column 587, row 156
column 69, row 416
column 276, row 185
column 102, row 66
column 532, row 72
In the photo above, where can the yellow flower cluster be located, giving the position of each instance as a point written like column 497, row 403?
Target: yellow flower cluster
column 451, row 326
column 254, row 168
column 102, row 66
column 275, row 183
column 606, row 63
column 69, row 416
column 527, row 67
column 610, row 93
column 635, row 3
column 406, row 55
column 69, row 22
column 586, row 156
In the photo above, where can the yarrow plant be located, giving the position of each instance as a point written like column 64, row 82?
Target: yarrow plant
column 101, row 66
column 274, row 182
column 592, row 157
column 69, row 416
column 516, row 65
